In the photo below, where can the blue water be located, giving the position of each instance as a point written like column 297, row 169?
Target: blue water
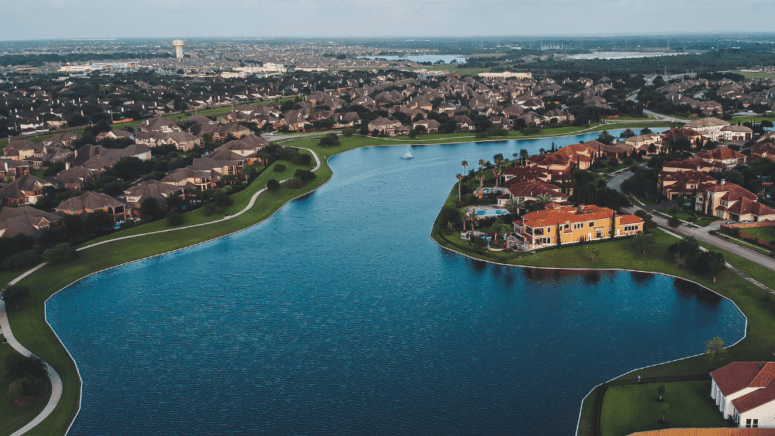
column 492, row 212
column 340, row 316
column 433, row 58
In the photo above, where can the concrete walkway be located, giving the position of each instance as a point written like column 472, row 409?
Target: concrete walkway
column 56, row 381
column 226, row 218
column 53, row 376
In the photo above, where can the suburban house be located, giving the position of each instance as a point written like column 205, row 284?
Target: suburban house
column 675, row 166
column 64, row 139
column 149, row 189
column 189, row 178
column 183, row 141
column 724, row 156
column 76, row 178
column 685, row 182
column 430, row 125
column 383, row 124
column 644, row 142
column 745, row 392
column 159, row 124
column 572, row 225
column 736, row 133
column 731, row 202
column 763, row 151
column 25, row 220
column 560, row 116
column 708, row 127
column 27, row 189
column 90, row 202
column 114, row 134
column 11, row 169
column 528, row 191
column 236, row 130
column 672, row 135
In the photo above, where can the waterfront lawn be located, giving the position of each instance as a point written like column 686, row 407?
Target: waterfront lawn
column 240, row 199
column 29, row 324
column 634, row 408
column 12, row 416
column 764, row 233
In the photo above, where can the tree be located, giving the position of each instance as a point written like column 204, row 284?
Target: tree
column 496, row 172
column 150, row 208
column 685, row 250
column 524, row 155
column 329, row 140
column 222, row 199
column 61, row 253
column 174, row 218
column 15, row 296
column 673, row 222
column 643, row 242
column 98, row 221
column 272, row 185
column 504, row 230
column 294, row 183
column 131, row 167
column 605, row 138
column 465, row 165
column 714, row 350
column 459, row 184
column 709, row 263
column 21, row 260
column 628, row 133
column 513, row 205
column 645, row 131
column 544, row 198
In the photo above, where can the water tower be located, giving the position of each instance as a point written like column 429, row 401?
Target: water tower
column 178, row 48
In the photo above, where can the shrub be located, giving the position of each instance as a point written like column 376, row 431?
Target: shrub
column 272, row 185
column 20, row 260
column 294, row 183
column 209, row 209
column 347, row 132
column 330, row 140
column 174, row 218
column 279, row 168
column 60, row 254
column 305, row 175
column 222, row 199
column 15, row 296
column 673, row 222
column 302, row 159
column 614, row 162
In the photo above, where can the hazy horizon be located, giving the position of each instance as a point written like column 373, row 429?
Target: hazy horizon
column 109, row 19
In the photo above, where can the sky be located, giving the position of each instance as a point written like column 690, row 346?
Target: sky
column 54, row 19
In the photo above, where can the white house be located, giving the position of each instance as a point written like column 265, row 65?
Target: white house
column 745, row 392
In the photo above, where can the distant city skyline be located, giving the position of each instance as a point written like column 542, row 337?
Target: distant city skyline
column 55, row 19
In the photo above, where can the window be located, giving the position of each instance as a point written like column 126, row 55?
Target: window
column 591, row 224
column 578, row 226
column 755, row 423
column 748, row 423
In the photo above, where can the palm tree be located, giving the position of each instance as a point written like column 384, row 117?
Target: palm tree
column 496, row 171
column 544, row 198
column 542, row 150
column 514, row 155
column 459, row 184
column 523, row 154
column 505, row 229
column 472, row 217
column 481, row 181
column 465, row 164
column 481, row 164
column 513, row 205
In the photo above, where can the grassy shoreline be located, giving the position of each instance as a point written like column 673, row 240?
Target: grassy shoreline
column 618, row 254
column 32, row 329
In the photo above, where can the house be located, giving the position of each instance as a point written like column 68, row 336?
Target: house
column 691, row 165
column 763, row 151
column 27, row 189
column 149, row 189
column 572, row 225
column 555, row 162
column 463, row 123
column 183, row 141
column 191, row 179
column 64, row 139
column 745, row 392
column 383, row 124
column 644, row 143
column 672, row 135
column 530, row 190
column 25, row 220
column 11, row 169
column 724, row 156
column 222, row 132
column 159, row 124
column 76, row 178
column 729, row 201
column 90, row 202
column 708, row 127
column 560, row 116
column 684, row 182
column 430, row 125
column 736, row 133
column 114, row 134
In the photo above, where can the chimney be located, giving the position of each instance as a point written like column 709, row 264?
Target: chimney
column 75, row 153
column 5, row 164
column 723, row 181
column 67, row 166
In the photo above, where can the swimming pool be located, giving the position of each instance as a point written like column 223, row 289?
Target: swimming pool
column 492, row 212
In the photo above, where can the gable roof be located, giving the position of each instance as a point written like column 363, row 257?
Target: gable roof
column 88, row 200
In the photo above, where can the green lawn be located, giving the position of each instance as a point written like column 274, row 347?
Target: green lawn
column 764, row 233
column 634, row 408
column 756, row 75
column 11, row 415
column 743, row 243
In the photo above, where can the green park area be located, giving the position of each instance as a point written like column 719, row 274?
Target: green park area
column 763, row 233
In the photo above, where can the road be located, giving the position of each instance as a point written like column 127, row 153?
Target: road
column 702, row 233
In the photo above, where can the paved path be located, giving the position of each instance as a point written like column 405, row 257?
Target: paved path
column 616, row 181
column 226, row 218
column 56, row 381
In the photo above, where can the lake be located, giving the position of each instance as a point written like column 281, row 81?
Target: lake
column 339, row 315
column 432, row 58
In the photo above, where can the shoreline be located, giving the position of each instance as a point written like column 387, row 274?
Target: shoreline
column 578, row 423
column 47, row 325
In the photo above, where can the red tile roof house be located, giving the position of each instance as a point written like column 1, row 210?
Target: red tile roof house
column 745, row 392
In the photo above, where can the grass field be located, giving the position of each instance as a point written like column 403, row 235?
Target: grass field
column 756, row 75
column 631, row 408
column 764, row 233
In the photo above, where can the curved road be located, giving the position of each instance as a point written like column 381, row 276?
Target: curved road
column 56, row 380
